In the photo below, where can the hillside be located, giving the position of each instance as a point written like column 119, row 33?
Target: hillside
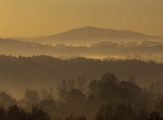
column 37, row 72
column 88, row 35
column 147, row 50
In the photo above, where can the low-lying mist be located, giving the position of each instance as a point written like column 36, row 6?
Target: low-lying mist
column 106, row 98
column 36, row 72
column 146, row 50
column 74, row 82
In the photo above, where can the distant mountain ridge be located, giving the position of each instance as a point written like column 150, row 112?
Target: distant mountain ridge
column 92, row 34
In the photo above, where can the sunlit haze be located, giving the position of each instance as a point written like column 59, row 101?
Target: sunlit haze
column 81, row 59
column 46, row 17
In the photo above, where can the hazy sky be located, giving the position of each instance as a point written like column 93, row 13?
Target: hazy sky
column 45, row 17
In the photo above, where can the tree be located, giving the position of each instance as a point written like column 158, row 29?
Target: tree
column 15, row 112
column 6, row 99
column 76, row 99
column 93, row 88
column 48, row 104
column 132, row 80
column 31, row 97
column 44, row 93
column 108, row 77
column 105, row 89
column 38, row 114
column 81, row 83
column 156, row 90
column 114, row 111
column 132, row 90
column 155, row 116
column 63, row 90
column 71, row 84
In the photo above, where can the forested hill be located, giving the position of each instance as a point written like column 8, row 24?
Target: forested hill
column 147, row 50
column 44, row 71
column 89, row 34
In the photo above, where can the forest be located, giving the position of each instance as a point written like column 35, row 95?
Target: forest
column 50, row 88
column 107, row 98
column 144, row 50
column 46, row 71
column 81, row 59
column 100, row 81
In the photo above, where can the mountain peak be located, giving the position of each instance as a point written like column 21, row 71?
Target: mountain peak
column 90, row 34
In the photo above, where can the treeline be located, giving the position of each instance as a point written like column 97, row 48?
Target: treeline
column 16, row 48
column 15, row 112
column 146, row 50
column 107, row 98
column 45, row 71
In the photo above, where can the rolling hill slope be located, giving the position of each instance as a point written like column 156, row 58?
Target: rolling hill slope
column 88, row 35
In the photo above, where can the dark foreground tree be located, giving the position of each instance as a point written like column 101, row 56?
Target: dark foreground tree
column 15, row 112
column 114, row 111
column 31, row 97
column 6, row 99
column 104, row 90
column 155, row 116
column 76, row 99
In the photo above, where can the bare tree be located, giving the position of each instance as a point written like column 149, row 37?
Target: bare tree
column 31, row 97
column 62, row 91
column 44, row 93
column 132, row 80
column 81, row 83
column 71, row 84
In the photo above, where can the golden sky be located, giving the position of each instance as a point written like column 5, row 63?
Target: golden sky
column 46, row 17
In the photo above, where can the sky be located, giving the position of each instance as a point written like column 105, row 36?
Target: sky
column 47, row 17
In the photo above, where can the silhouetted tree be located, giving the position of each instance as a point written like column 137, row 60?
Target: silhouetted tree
column 155, row 116
column 134, row 91
column 15, row 112
column 63, row 90
column 132, row 79
column 31, row 97
column 76, row 99
column 81, row 83
column 104, row 90
column 93, row 88
column 76, row 117
column 71, row 84
column 48, row 104
column 6, row 99
column 44, row 93
column 113, row 111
